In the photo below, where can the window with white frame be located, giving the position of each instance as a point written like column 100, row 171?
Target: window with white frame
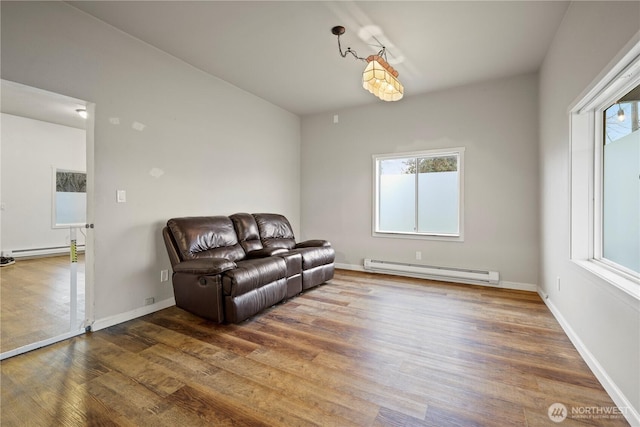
column 605, row 175
column 419, row 194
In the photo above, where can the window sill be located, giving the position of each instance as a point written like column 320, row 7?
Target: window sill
column 440, row 237
column 67, row 226
column 629, row 286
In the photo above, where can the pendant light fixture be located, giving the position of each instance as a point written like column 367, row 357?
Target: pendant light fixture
column 379, row 78
column 620, row 113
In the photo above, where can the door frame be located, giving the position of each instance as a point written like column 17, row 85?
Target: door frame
column 89, row 319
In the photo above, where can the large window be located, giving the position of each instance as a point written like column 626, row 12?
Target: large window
column 605, row 175
column 419, row 194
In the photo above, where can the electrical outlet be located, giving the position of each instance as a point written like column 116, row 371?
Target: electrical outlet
column 418, row 255
column 149, row 301
column 164, row 275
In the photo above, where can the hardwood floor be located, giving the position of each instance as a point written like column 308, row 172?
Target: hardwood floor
column 363, row 350
column 34, row 300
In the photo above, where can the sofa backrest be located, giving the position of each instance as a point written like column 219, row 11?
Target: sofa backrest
column 205, row 237
column 247, row 231
column 275, row 231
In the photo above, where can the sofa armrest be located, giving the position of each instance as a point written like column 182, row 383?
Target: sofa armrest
column 266, row 252
column 313, row 244
column 204, row 266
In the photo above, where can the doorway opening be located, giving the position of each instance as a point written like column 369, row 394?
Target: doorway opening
column 46, row 214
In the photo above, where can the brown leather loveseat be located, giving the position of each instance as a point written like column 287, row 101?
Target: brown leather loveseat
column 229, row 268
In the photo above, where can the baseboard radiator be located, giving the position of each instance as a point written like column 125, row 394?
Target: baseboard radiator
column 41, row 252
column 458, row 275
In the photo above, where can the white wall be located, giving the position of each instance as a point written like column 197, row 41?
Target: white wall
column 220, row 150
column 497, row 123
column 30, row 150
column 604, row 319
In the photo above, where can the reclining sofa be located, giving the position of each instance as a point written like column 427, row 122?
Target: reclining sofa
column 227, row 269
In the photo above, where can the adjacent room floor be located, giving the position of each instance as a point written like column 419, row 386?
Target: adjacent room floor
column 362, row 350
column 34, row 300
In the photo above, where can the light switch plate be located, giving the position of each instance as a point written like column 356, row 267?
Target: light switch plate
column 121, row 196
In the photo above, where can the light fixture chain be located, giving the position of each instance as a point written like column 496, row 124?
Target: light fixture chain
column 349, row 50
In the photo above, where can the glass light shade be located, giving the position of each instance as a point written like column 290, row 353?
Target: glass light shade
column 380, row 79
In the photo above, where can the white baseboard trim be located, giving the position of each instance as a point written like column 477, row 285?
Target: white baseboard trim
column 630, row 413
column 503, row 283
column 518, row 286
column 133, row 314
column 352, row 267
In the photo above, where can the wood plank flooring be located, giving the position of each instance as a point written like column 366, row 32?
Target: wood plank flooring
column 34, row 300
column 362, row 350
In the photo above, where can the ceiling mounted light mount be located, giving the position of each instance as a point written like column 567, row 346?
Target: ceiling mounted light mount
column 379, row 78
column 338, row 30
column 82, row 113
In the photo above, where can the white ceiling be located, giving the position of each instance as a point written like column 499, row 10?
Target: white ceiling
column 284, row 51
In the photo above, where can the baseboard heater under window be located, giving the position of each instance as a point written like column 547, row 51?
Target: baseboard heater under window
column 40, row 252
column 459, row 275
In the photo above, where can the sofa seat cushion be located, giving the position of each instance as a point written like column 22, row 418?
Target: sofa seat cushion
column 251, row 274
column 314, row 257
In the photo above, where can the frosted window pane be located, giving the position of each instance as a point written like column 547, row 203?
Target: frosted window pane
column 71, row 208
column 621, row 197
column 438, row 203
column 397, row 196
